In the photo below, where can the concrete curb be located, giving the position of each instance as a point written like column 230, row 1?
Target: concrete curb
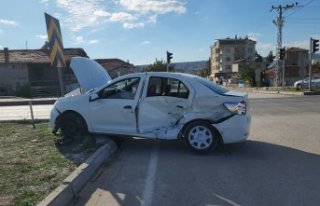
column 18, row 102
column 73, row 184
column 279, row 92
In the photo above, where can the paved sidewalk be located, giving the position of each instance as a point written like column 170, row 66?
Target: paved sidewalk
column 22, row 112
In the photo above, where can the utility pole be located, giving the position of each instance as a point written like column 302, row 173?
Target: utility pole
column 279, row 23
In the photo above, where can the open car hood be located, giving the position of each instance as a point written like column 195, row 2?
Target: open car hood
column 89, row 73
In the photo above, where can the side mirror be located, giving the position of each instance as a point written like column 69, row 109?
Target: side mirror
column 93, row 97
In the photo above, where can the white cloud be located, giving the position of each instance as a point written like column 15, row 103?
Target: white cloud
column 154, row 6
column 145, row 42
column 42, row 36
column 8, row 22
column 153, row 19
column 131, row 13
column 253, row 36
column 79, row 40
column 132, row 25
column 93, row 41
column 122, row 16
column 57, row 15
column 301, row 44
column 44, row 2
column 305, row 44
column 82, row 13
column 101, row 13
column 264, row 48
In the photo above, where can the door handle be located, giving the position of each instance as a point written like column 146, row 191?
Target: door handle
column 179, row 106
column 127, row 107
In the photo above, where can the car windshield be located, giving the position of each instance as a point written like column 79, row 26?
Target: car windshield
column 212, row 86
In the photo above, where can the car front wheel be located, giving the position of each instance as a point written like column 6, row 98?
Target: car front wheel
column 299, row 87
column 73, row 126
column 201, row 137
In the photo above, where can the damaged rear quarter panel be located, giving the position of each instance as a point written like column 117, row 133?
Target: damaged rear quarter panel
column 206, row 108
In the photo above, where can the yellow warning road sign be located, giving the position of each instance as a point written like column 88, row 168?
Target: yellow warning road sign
column 55, row 41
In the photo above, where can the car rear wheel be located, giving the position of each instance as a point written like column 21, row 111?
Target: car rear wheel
column 73, row 126
column 201, row 137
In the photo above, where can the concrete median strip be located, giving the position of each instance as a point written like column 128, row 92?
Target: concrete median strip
column 73, row 184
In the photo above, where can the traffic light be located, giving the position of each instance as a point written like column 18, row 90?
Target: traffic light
column 169, row 57
column 315, row 45
column 282, row 53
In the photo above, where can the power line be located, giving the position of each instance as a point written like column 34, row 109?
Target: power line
column 302, row 19
column 299, row 8
column 293, row 22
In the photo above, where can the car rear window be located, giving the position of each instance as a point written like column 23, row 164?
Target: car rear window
column 212, row 86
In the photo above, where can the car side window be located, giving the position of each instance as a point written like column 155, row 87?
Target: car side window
column 160, row 86
column 123, row 89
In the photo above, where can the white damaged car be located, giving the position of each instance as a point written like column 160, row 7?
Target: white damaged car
column 156, row 105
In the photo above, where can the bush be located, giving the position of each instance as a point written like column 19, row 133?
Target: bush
column 23, row 91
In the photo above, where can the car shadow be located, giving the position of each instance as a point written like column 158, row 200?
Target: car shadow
column 248, row 173
column 79, row 151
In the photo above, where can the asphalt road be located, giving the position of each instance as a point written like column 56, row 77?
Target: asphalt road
column 277, row 165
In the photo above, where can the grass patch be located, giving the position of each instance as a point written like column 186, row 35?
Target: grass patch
column 31, row 166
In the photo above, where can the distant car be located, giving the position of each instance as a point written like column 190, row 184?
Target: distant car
column 315, row 82
column 240, row 83
column 156, row 105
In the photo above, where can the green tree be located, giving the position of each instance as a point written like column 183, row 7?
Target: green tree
column 247, row 73
column 270, row 57
column 205, row 72
column 158, row 66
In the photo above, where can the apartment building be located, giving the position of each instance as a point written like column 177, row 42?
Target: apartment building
column 226, row 52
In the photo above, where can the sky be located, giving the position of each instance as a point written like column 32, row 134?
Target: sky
column 141, row 31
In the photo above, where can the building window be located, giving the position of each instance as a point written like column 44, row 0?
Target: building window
column 228, row 59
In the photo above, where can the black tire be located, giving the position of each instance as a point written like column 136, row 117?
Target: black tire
column 201, row 137
column 73, row 126
column 299, row 87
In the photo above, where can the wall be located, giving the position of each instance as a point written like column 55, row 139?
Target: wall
column 13, row 75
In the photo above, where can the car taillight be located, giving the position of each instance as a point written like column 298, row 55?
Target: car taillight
column 236, row 107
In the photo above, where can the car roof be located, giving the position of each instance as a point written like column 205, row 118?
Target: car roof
column 164, row 74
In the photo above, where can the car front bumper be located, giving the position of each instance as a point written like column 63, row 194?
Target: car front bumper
column 53, row 117
column 235, row 129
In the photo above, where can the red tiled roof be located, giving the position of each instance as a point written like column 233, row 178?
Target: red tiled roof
column 296, row 49
column 114, row 64
column 292, row 71
column 37, row 55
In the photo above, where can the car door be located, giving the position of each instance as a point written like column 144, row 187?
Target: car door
column 114, row 110
column 163, row 103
